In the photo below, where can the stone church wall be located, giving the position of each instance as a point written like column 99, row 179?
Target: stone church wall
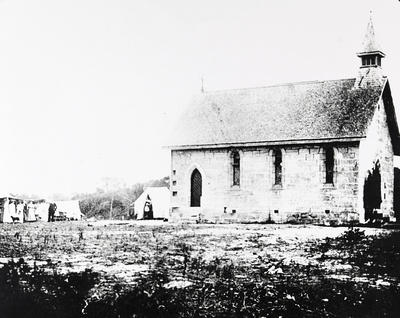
column 377, row 147
column 302, row 195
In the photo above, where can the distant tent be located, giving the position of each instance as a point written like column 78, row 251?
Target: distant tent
column 69, row 209
column 153, row 203
column 41, row 210
column 8, row 215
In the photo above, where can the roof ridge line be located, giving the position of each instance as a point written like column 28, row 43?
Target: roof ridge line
column 277, row 85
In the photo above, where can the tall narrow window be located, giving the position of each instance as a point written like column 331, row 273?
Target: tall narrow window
column 329, row 165
column 196, row 185
column 235, row 168
column 278, row 166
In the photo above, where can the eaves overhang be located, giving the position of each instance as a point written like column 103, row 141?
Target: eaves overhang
column 271, row 143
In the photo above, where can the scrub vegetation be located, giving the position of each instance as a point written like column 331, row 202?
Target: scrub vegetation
column 154, row 269
column 97, row 204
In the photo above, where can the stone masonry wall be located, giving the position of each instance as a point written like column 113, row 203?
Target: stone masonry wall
column 303, row 191
column 377, row 146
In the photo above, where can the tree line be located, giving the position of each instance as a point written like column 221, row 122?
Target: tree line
column 114, row 201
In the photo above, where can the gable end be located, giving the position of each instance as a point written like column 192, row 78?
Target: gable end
column 391, row 119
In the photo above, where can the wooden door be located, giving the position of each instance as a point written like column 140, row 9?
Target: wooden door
column 195, row 188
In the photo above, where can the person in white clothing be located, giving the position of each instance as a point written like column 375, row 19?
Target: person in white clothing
column 20, row 211
column 31, row 212
column 12, row 210
column 6, row 211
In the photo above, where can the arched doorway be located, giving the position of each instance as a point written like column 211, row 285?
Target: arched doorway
column 372, row 193
column 195, row 188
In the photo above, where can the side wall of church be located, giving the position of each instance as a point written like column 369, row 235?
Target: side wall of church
column 377, row 147
column 302, row 195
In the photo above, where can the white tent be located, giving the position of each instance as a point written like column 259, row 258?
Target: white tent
column 69, row 209
column 10, row 213
column 156, row 199
column 42, row 210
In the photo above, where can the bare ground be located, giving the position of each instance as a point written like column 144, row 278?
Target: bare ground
column 126, row 249
column 188, row 257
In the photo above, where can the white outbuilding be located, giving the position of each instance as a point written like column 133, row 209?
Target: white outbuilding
column 153, row 203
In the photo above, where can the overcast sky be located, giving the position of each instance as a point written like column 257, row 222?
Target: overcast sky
column 90, row 88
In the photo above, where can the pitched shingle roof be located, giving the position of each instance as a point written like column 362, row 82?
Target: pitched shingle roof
column 296, row 111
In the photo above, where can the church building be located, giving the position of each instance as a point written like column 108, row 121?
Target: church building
column 318, row 151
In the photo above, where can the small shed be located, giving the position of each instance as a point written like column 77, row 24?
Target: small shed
column 153, row 203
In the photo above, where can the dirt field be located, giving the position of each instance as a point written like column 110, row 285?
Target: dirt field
column 125, row 249
column 184, row 256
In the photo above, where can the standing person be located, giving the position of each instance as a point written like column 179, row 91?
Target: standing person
column 52, row 211
column 26, row 212
column 20, row 211
column 12, row 210
column 6, row 211
column 31, row 212
column 148, row 209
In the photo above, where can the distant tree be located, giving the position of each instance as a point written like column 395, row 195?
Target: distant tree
column 59, row 197
column 164, row 182
column 26, row 196
column 122, row 197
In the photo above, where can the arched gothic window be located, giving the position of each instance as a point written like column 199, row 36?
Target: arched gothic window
column 277, row 154
column 235, row 168
column 196, row 188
